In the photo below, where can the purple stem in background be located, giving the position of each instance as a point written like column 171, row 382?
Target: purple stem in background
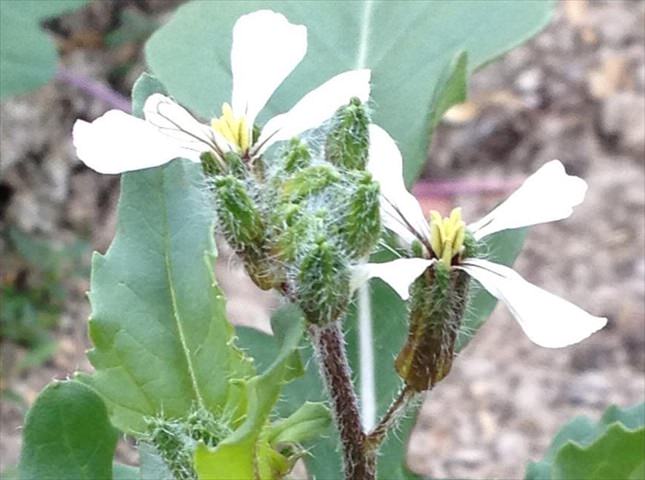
column 94, row 88
column 449, row 188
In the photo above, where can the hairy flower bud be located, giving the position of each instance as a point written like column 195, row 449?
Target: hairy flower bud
column 348, row 140
column 323, row 282
column 362, row 226
column 237, row 215
column 309, row 181
column 438, row 302
column 296, row 156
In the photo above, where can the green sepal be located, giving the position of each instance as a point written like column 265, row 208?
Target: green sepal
column 347, row 142
column 237, row 214
column 309, row 181
column 323, row 282
column 437, row 306
column 296, row 156
column 362, row 224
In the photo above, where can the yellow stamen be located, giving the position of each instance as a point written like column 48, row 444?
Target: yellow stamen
column 447, row 235
column 233, row 129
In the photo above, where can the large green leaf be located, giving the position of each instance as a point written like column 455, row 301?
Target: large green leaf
column 27, row 55
column 406, row 44
column 612, row 448
column 67, row 435
column 162, row 341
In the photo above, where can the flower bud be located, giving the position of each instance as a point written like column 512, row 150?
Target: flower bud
column 323, row 282
column 296, row 156
column 237, row 215
column 438, row 302
column 348, row 140
column 309, row 181
column 362, row 228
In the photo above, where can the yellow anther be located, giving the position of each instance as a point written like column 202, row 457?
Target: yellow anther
column 232, row 129
column 447, row 235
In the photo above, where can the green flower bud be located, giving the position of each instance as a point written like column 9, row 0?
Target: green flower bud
column 296, row 156
column 235, row 165
column 348, row 140
column 210, row 164
column 237, row 215
column 438, row 302
column 323, row 282
column 231, row 163
column 362, row 228
column 309, row 181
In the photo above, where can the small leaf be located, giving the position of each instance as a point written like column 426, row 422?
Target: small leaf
column 308, row 422
column 67, row 435
column 246, row 453
column 610, row 448
column 27, row 54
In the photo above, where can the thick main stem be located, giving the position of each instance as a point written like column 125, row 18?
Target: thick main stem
column 330, row 348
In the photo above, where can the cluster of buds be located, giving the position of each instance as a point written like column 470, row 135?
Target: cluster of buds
column 299, row 222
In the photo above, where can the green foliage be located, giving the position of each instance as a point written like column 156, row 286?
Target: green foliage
column 612, row 448
column 158, row 320
column 27, row 55
column 406, row 44
column 33, row 291
column 67, row 434
column 252, row 451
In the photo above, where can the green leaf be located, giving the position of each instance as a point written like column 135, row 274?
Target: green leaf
column 451, row 88
column 247, row 453
column 67, row 435
column 309, row 421
column 27, row 55
column 406, row 44
column 162, row 342
column 125, row 472
column 153, row 466
column 611, row 448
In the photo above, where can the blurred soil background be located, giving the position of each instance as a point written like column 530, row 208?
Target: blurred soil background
column 576, row 92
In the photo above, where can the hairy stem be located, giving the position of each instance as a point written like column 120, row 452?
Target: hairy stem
column 330, row 348
column 390, row 419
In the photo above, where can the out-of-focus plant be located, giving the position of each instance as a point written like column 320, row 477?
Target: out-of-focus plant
column 27, row 56
column 33, row 290
column 613, row 447
column 302, row 197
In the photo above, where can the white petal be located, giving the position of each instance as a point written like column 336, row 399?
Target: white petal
column 547, row 319
column 547, row 195
column 400, row 211
column 266, row 48
column 117, row 142
column 398, row 274
column 316, row 107
column 178, row 124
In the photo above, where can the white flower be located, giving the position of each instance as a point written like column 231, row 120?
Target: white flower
column 547, row 195
column 266, row 48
